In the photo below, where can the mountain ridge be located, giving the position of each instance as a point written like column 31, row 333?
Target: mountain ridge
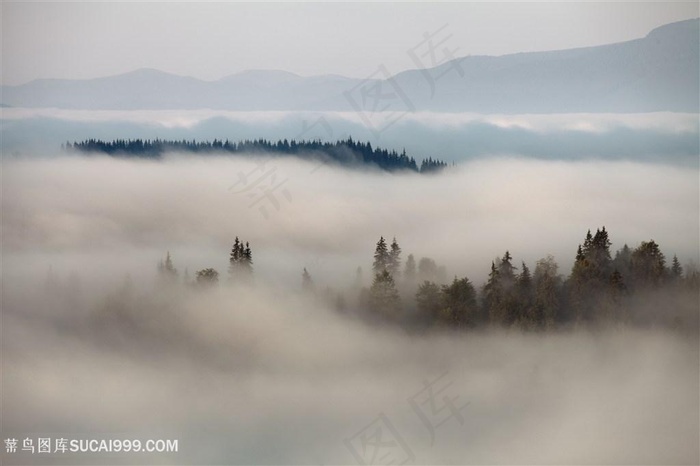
column 658, row 72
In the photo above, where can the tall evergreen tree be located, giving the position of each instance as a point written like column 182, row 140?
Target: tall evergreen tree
column 590, row 276
column 506, row 271
column 623, row 262
column 508, row 301
column 676, row 270
column 241, row 262
column 525, row 296
column 381, row 257
column 247, row 260
column 547, row 293
column 493, row 296
column 394, row 265
column 383, row 295
column 167, row 270
column 235, row 258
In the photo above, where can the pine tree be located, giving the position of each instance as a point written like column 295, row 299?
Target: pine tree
column 307, row 284
column 547, row 293
column 241, row 262
column 493, row 296
column 428, row 301
column 384, row 298
column 525, row 296
column 409, row 273
column 459, row 308
column 166, row 270
column 623, row 262
column 169, row 268
column 508, row 300
column 676, row 270
column 590, row 276
column 599, row 257
column 648, row 265
column 427, row 270
column 235, row 258
column 394, row 264
column 506, row 270
column 247, row 260
column 381, row 257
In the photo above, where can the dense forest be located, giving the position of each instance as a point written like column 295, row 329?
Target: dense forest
column 347, row 152
column 634, row 286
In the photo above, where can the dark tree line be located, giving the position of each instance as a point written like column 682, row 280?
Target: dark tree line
column 345, row 152
column 601, row 288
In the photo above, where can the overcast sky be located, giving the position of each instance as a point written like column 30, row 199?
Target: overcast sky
column 212, row 40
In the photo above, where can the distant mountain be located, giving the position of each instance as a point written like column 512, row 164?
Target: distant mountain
column 659, row 72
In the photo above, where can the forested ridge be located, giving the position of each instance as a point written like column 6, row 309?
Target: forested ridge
column 345, row 152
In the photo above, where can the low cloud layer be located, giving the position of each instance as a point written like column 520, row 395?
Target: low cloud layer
column 243, row 377
column 269, row 376
column 56, row 211
column 666, row 138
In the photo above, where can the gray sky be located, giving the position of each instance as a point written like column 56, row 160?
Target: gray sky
column 212, row 40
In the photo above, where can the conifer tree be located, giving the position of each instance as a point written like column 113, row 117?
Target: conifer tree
column 381, row 257
column 383, row 296
column 241, row 262
column 235, row 258
column 307, row 284
column 506, row 270
column 525, row 295
column 459, row 308
column 676, row 270
column 493, row 296
column 409, row 273
column 648, row 265
column 166, row 269
column 427, row 270
column 547, row 293
column 247, row 260
column 508, row 303
column 428, row 301
column 394, row 264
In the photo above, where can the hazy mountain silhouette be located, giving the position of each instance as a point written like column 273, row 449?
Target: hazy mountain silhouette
column 656, row 73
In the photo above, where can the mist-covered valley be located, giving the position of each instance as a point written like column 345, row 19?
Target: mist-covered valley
column 349, row 233
column 106, row 337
